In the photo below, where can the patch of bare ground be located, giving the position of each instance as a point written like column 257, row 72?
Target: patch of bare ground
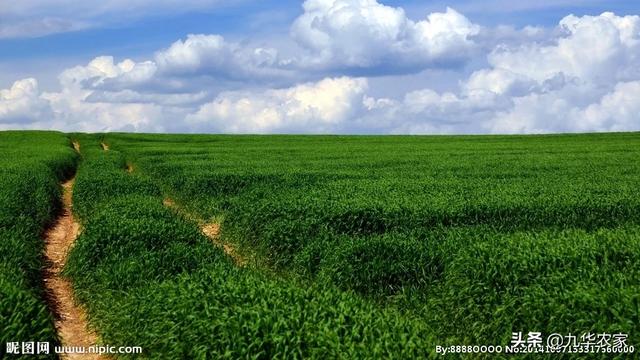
column 129, row 168
column 210, row 230
column 76, row 146
column 169, row 203
column 105, row 146
column 70, row 318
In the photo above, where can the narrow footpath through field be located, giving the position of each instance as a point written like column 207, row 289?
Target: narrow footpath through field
column 70, row 318
column 210, row 230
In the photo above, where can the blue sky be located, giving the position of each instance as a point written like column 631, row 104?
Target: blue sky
column 143, row 35
column 249, row 59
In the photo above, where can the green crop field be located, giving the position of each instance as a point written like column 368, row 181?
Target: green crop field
column 342, row 246
column 31, row 166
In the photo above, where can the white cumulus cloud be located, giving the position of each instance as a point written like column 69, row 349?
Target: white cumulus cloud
column 583, row 75
column 211, row 55
column 103, row 70
column 365, row 34
column 319, row 107
column 597, row 49
column 21, row 104
column 570, row 84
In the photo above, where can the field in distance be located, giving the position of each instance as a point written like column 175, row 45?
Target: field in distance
column 207, row 246
column 477, row 236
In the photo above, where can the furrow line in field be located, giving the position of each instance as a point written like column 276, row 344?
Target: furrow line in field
column 70, row 318
column 211, row 230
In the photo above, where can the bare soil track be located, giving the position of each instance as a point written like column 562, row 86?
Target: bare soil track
column 212, row 231
column 70, row 318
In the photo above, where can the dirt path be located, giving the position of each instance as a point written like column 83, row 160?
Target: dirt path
column 105, row 147
column 71, row 319
column 212, row 231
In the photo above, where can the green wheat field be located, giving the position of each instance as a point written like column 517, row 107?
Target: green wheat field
column 350, row 247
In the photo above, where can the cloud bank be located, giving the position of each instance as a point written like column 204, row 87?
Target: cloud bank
column 583, row 75
column 364, row 35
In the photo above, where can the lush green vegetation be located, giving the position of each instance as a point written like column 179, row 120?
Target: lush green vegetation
column 31, row 167
column 477, row 236
column 149, row 278
column 360, row 247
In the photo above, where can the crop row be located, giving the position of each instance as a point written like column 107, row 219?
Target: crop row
column 279, row 193
column 150, row 278
column 479, row 236
column 31, row 167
